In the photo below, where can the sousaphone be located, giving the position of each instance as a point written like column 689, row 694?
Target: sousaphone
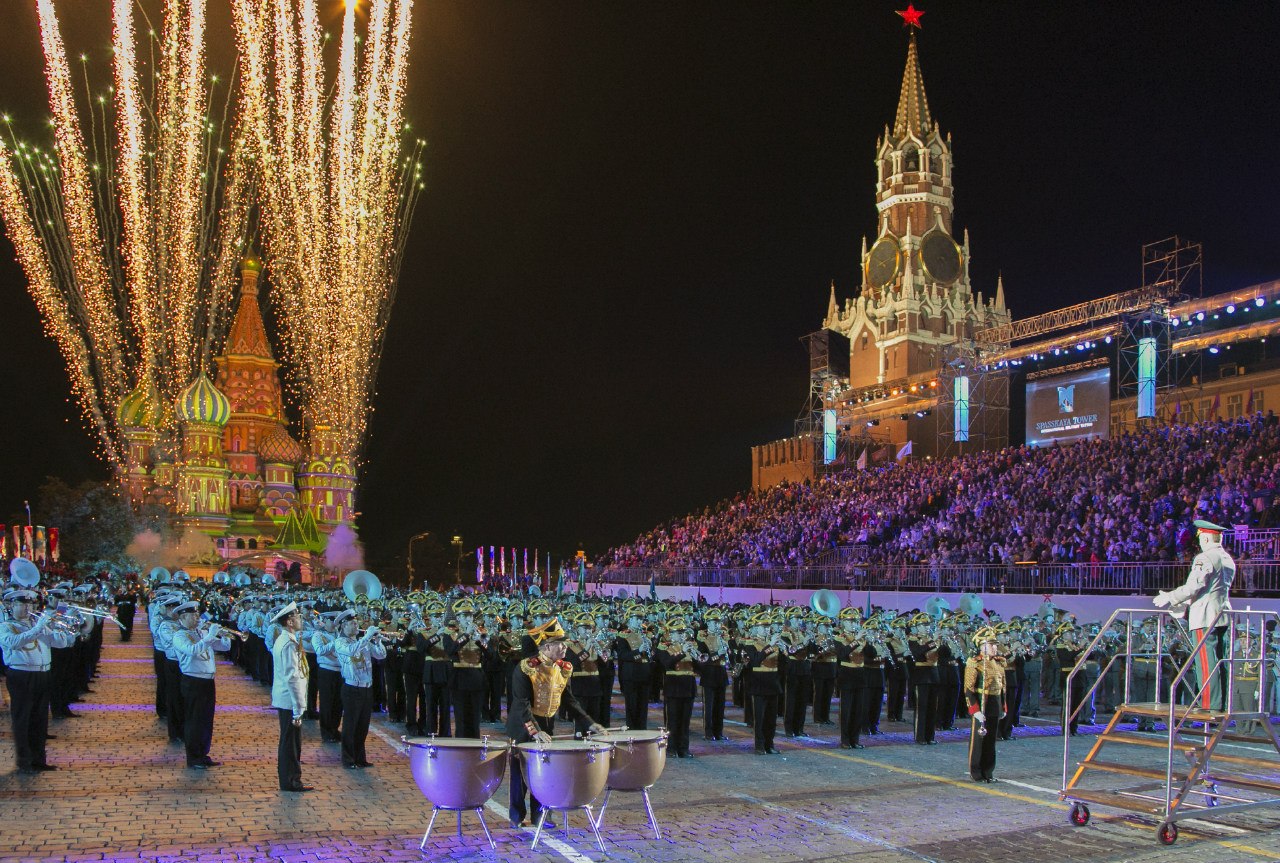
column 361, row 583
column 24, row 573
column 826, row 603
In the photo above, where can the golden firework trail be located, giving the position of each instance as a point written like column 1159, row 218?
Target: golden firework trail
column 129, row 240
column 338, row 185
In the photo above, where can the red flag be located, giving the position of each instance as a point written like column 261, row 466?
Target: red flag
column 26, row 542
column 1217, row 403
column 53, row 543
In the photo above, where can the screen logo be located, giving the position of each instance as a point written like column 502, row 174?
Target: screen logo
column 1067, row 399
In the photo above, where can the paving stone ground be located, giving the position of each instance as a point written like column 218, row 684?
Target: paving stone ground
column 123, row 794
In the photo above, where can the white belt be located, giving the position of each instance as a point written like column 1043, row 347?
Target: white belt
column 27, row 668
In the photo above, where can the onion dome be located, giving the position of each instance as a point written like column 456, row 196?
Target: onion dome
column 202, row 402
column 251, row 262
column 279, row 447
column 139, row 408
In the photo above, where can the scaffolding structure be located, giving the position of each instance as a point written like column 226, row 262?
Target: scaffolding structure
column 973, row 398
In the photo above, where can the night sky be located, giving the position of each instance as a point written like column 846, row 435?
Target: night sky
column 634, row 210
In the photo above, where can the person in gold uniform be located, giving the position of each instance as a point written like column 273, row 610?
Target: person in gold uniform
column 984, row 693
column 538, row 687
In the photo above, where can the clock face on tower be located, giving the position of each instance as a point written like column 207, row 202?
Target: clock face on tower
column 941, row 257
column 883, row 262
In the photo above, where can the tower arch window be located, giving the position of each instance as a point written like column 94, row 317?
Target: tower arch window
column 910, row 159
column 240, row 544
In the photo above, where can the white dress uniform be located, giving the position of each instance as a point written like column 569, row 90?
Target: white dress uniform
column 26, row 646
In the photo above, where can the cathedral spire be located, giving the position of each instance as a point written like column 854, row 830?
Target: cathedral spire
column 248, row 336
column 913, row 107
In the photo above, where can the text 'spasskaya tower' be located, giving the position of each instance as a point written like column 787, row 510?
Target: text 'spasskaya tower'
column 914, row 306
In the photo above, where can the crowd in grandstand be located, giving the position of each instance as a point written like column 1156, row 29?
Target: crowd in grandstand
column 1130, row 498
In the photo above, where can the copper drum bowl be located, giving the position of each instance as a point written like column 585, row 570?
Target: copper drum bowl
column 566, row 774
column 638, row 758
column 457, row 772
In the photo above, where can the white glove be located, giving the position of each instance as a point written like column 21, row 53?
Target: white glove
column 214, row 631
column 45, row 617
column 370, row 633
column 542, row 737
column 980, row 716
column 1162, row 600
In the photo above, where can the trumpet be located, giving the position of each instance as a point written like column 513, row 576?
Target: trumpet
column 65, row 609
column 223, row 630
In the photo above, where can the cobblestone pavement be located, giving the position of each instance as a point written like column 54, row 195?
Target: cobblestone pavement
column 123, row 794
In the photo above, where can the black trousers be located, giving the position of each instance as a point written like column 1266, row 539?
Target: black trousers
column 289, row 753
column 492, row 706
column 516, row 808
column 63, row 679
column 636, row 696
column 982, row 749
column 765, row 715
column 926, row 711
column 395, row 691
column 466, row 711
column 329, row 691
column 357, row 708
column 853, row 714
column 437, row 712
column 313, row 685
column 415, row 704
column 591, row 704
column 875, row 701
column 896, row 684
column 199, row 697
column 948, row 695
column 162, row 699
column 823, row 687
column 679, row 714
column 799, row 692
column 29, row 711
column 1013, row 696
column 713, row 711
column 175, row 712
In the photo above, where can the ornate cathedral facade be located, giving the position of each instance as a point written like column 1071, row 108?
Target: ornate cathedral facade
column 235, row 472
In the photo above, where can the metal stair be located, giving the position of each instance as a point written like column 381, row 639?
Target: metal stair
column 1180, row 766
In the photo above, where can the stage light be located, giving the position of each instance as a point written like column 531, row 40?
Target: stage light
column 1175, row 322
column 1231, row 308
column 1213, row 350
column 1199, row 316
column 1259, row 302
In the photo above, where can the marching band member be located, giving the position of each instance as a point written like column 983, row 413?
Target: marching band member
column 356, row 656
column 714, row 675
column 174, row 710
column 195, row 649
column 635, row 655
column 763, row 658
column 851, row 650
column 538, row 686
column 25, row 646
column 468, row 685
column 678, row 685
column 289, row 697
column 984, row 691
column 924, row 677
column 329, row 672
column 584, row 655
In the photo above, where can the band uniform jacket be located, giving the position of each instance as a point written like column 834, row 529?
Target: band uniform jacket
column 680, row 680
column 713, row 672
column 634, row 666
column 764, row 662
column 585, row 681
column 1205, row 593
column 539, row 689
column 924, row 669
column 467, row 657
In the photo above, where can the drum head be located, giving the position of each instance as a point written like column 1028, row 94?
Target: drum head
column 458, row 742
column 636, row 736
column 564, row 746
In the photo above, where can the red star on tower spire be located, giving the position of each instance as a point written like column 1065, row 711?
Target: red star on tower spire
column 911, row 16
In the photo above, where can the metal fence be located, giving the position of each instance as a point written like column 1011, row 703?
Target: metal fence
column 1252, row 578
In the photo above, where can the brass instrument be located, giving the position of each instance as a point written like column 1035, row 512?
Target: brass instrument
column 224, row 630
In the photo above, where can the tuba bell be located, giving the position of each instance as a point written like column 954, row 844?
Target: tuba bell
column 361, row 583
column 825, row 602
column 24, row 573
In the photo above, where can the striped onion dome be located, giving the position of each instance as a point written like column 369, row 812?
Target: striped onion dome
column 139, row 409
column 279, row 447
column 202, row 402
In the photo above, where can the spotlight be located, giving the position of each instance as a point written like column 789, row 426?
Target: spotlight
column 1175, row 322
column 1231, row 308
column 1199, row 316
column 1213, row 350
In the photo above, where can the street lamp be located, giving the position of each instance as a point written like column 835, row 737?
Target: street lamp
column 457, row 548
column 408, row 562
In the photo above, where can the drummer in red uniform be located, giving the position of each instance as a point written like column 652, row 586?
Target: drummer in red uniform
column 538, row 686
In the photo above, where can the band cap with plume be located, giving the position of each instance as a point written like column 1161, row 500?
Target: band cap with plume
column 549, row 631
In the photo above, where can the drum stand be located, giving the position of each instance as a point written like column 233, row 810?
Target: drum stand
column 479, row 810
column 593, row 820
column 648, row 809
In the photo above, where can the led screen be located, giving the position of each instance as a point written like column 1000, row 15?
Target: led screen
column 1069, row 407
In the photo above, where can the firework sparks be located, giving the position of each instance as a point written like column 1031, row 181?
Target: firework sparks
column 129, row 243
column 338, row 191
